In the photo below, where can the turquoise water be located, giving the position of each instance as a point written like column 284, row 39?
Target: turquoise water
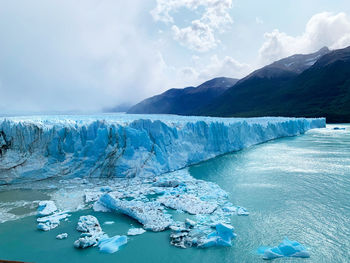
column 297, row 187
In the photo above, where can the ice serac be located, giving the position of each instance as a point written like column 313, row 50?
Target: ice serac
column 36, row 148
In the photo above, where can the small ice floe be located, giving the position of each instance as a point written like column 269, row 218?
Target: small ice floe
column 46, row 208
column 241, row 211
column 188, row 203
column 135, row 231
column 62, row 236
column 108, row 223
column 149, row 214
column 92, row 232
column 221, row 237
column 112, row 244
column 287, row 248
column 238, row 210
column 50, row 222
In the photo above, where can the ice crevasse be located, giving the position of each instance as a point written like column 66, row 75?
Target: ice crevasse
column 40, row 147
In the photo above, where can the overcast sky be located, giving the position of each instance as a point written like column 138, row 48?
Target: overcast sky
column 85, row 55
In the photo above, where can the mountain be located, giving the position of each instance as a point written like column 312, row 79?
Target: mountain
column 299, row 89
column 184, row 101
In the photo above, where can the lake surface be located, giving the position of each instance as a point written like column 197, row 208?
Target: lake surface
column 297, row 187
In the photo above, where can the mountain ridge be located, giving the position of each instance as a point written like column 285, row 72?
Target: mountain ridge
column 183, row 101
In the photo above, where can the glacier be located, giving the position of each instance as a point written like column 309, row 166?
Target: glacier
column 34, row 148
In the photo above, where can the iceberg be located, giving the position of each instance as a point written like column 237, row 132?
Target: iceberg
column 287, row 248
column 34, row 148
column 149, row 214
column 92, row 232
column 241, row 211
column 108, row 223
column 62, row 236
column 221, row 237
column 112, row 244
column 46, row 208
column 47, row 223
column 135, row 231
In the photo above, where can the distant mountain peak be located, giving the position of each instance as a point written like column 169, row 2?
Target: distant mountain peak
column 289, row 66
column 183, row 101
column 322, row 89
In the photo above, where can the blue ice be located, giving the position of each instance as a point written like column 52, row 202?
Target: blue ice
column 287, row 248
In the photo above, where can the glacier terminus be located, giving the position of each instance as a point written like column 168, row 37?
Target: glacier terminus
column 41, row 147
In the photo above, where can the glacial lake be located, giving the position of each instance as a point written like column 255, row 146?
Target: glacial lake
column 297, row 187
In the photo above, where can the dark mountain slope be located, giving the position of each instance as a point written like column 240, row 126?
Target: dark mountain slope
column 184, row 101
column 322, row 90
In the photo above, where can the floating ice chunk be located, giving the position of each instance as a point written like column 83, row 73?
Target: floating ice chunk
column 112, row 244
column 150, row 214
column 46, row 208
column 88, row 224
column 50, row 222
column 62, row 236
column 287, row 248
column 188, row 203
column 92, row 232
column 241, row 211
column 135, row 231
column 221, row 237
column 46, row 226
column 108, row 223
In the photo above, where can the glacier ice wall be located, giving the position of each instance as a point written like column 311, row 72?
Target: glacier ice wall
column 40, row 147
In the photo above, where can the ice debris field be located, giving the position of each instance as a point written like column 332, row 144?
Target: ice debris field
column 130, row 164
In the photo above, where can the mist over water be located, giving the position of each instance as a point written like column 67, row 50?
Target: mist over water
column 297, row 187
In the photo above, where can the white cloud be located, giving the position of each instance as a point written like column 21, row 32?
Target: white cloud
column 200, row 34
column 323, row 29
column 217, row 67
column 75, row 55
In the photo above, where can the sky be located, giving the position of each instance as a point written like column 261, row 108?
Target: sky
column 89, row 55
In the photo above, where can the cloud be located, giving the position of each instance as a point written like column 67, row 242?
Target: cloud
column 323, row 29
column 200, row 34
column 75, row 55
column 217, row 67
